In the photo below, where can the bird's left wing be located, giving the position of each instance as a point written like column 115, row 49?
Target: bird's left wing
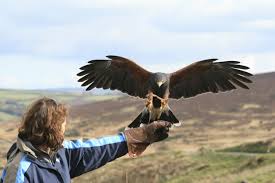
column 208, row 76
column 116, row 73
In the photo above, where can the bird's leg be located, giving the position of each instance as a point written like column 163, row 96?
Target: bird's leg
column 149, row 99
column 149, row 119
column 154, row 95
column 149, row 105
column 164, row 100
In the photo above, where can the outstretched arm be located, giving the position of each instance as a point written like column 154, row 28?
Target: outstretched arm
column 86, row 155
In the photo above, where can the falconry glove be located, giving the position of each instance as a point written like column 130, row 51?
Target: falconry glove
column 139, row 138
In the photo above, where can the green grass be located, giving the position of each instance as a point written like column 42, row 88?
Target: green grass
column 248, row 162
column 210, row 166
column 178, row 167
column 267, row 177
column 256, row 147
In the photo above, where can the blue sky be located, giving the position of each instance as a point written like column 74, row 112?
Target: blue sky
column 43, row 43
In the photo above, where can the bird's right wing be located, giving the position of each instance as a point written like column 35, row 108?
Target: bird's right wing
column 116, row 73
column 208, row 76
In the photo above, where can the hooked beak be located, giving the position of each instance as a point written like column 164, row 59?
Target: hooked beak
column 160, row 83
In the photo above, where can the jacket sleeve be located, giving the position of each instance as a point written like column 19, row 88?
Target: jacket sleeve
column 3, row 176
column 86, row 155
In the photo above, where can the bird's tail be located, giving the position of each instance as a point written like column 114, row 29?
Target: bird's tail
column 169, row 116
column 142, row 118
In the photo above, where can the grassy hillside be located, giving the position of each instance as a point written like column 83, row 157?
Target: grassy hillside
column 224, row 138
column 178, row 167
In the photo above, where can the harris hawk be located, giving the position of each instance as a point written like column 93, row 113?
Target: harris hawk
column 200, row 77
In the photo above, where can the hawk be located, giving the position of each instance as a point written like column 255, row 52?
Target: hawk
column 200, row 77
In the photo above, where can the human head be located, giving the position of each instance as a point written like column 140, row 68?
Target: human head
column 44, row 124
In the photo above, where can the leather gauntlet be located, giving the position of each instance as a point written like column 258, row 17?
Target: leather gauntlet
column 139, row 138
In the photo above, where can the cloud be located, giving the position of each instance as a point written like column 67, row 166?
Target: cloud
column 266, row 24
column 159, row 35
column 258, row 62
column 26, row 72
column 74, row 28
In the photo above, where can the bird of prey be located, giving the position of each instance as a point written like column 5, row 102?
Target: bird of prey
column 200, row 77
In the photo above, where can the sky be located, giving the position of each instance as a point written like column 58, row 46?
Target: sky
column 43, row 43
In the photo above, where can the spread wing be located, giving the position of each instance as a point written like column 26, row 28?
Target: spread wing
column 208, row 76
column 116, row 73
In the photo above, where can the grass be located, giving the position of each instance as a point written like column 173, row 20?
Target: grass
column 178, row 167
column 244, row 163
column 256, row 147
column 210, row 166
column 171, row 161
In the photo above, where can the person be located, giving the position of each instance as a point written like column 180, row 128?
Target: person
column 41, row 154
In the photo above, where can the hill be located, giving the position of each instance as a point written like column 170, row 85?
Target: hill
column 226, row 137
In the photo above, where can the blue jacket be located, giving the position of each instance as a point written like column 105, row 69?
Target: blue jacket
column 27, row 164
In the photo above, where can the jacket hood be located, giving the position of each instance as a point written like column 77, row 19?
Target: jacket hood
column 26, row 147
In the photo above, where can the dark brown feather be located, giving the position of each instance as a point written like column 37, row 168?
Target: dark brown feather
column 208, row 76
column 117, row 73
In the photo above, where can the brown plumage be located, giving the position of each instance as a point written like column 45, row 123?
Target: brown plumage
column 200, row 77
column 118, row 73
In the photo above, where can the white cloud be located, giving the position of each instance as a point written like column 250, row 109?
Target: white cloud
column 128, row 24
column 264, row 62
column 261, row 24
column 258, row 62
column 160, row 35
column 29, row 72
column 166, row 68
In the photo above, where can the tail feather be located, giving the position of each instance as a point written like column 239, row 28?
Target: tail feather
column 169, row 116
column 142, row 118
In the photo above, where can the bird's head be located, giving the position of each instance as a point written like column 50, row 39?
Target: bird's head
column 159, row 79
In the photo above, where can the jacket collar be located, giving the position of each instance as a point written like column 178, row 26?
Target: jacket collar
column 33, row 154
column 28, row 148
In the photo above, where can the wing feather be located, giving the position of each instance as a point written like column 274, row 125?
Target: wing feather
column 115, row 73
column 208, row 76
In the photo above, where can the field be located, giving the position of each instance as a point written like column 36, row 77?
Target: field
column 14, row 102
column 224, row 138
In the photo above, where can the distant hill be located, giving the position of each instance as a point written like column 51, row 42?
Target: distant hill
column 95, row 91
column 14, row 102
column 224, row 137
